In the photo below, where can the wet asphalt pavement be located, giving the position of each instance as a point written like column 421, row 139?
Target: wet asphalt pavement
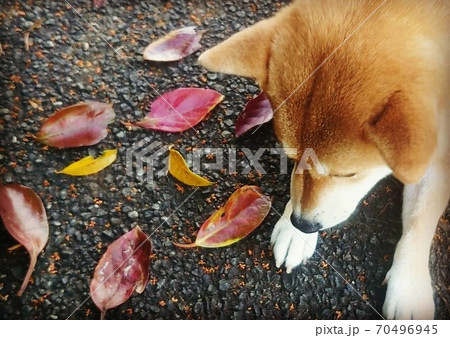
column 72, row 59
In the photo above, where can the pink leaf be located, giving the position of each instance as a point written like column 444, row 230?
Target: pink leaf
column 83, row 124
column 180, row 109
column 25, row 219
column 257, row 111
column 123, row 268
column 174, row 46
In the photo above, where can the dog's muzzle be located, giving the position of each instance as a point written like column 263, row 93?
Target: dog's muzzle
column 304, row 225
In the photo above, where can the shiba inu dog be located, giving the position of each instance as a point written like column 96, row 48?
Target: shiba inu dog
column 366, row 85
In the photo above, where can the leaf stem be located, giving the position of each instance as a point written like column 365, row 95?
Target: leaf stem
column 33, row 260
column 31, row 135
column 128, row 125
column 185, row 246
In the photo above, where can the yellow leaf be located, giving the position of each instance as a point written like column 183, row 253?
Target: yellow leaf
column 90, row 165
column 179, row 169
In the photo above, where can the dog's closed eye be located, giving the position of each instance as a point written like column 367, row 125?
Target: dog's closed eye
column 343, row 175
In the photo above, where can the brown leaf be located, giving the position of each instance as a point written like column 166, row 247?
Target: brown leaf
column 83, row 124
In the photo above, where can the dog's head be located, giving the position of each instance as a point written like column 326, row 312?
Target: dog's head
column 359, row 104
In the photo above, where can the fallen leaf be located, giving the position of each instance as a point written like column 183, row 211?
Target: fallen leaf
column 99, row 3
column 26, row 40
column 83, row 124
column 36, row 25
column 89, row 165
column 257, row 111
column 242, row 213
column 26, row 36
column 123, row 268
column 180, row 109
column 174, row 46
column 25, row 219
column 179, row 169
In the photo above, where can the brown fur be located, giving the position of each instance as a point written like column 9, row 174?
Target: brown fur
column 374, row 101
column 369, row 94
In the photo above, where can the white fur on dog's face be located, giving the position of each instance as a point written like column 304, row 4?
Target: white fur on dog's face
column 340, row 197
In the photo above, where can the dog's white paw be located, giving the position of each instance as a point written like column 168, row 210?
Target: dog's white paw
column 409, row 293
column 291, row 246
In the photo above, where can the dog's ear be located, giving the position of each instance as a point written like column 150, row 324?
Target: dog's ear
column 245, row 53
column 405, row 133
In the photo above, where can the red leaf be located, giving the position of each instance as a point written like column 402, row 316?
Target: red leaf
column 257, row 111
column 83, row 124
column 180, row 109
column 242, row 213
column 123, row 268
column 25, row 219
column 175, row 45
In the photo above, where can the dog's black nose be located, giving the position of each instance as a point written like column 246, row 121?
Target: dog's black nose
column 304, row 225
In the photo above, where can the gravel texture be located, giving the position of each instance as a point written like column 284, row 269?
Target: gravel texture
column 99, row 57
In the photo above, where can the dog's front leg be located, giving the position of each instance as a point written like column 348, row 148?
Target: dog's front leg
column 409, row 292
column 291, row 246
